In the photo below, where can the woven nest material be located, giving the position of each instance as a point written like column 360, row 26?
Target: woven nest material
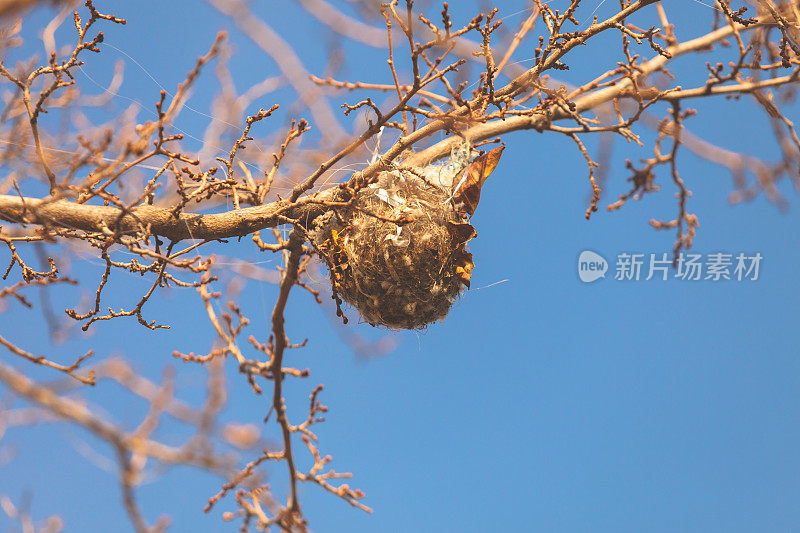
column 397, row 253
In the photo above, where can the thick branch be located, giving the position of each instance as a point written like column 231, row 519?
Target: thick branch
column 288, row 281
column 160, row 221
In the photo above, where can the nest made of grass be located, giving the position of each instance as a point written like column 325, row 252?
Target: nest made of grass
column 397, row 252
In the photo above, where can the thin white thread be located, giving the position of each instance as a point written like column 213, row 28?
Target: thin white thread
column 490, row 285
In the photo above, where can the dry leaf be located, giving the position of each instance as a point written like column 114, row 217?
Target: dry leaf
column 468, row 192
column 464, row 266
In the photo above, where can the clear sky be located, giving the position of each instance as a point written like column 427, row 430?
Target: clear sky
column 542, row 403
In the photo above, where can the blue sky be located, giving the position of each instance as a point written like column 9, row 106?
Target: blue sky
column 542, row 403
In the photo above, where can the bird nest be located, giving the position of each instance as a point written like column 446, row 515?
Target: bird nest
column 397, row 251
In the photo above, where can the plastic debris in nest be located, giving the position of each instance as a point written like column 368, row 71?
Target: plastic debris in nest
column 398, row 252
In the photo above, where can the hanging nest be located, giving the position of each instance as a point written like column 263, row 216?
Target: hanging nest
column 397, row 252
